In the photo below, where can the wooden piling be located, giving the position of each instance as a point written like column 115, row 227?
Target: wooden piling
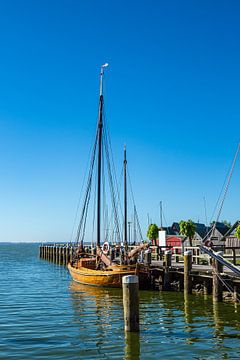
column 67, row 255
column 187, row 272
column 167, row 265
column 207, row 287
column 217, row 283
column 131, row 302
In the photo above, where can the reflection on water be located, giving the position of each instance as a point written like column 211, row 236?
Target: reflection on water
column 132, row 346
column 43, row 315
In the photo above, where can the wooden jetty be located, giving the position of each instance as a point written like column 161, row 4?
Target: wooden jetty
column 191, row 272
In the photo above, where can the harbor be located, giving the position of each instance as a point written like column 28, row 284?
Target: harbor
column 169, row 270
column 119, row 186
column 44, row 314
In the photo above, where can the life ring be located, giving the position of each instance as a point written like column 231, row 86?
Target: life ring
column 105, row 248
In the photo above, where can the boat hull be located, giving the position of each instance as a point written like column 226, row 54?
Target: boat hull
column 107, row 278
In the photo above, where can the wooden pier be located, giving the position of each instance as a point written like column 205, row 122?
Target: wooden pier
column 191, row 272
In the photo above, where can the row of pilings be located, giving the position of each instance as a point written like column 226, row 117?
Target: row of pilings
column 60, row 254
column 165, row 276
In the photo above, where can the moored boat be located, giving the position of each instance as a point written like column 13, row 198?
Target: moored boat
column 101, row 270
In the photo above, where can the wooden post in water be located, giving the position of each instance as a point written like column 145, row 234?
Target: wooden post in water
column 217, row 284
column 40, row 251
column 71, row 253
column 168, row 264
column 67, row 254
column 52, row 253
column 131, row 302
column 57, row 254
column 64, row 255
column 187, row 270
column 60, row 255
column 207, row 286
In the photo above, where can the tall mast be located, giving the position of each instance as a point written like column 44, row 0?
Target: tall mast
column 100, row 126
column 125, row 198
column 161, row 215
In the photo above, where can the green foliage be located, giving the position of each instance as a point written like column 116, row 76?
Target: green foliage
column 152, row 233
column 238, row 232
column 227, row 223
column 187, row 228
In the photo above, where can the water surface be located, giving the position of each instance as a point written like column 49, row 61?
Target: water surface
column 44, row 315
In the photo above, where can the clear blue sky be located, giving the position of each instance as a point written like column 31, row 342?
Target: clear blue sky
column 172, row 95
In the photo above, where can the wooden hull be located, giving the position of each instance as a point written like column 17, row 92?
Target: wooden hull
column 112, row 277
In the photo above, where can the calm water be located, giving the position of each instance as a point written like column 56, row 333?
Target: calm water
column 43, row 315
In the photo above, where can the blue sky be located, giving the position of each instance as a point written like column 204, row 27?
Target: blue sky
column 172, row 95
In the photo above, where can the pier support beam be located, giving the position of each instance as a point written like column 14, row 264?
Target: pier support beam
column 187, row 271
column 217, row 284
column 131, row 302
column 167, row 265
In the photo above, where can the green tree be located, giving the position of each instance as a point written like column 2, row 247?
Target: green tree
column 187, row 228
column 238, row 232
column 227, row 223
column 152, row 233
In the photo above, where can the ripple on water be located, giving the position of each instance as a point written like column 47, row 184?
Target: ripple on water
column 43, row 315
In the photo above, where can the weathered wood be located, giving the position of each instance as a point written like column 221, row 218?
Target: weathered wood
column 207, row 286
column 67, row 254
column 167, row 265
column 131, row 302
column 187, row 272
column 217, row 283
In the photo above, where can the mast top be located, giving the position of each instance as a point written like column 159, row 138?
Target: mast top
column 101, row 77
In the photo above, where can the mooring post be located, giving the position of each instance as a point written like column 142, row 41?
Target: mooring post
column 131, row 302
column 64, row 255
column 67, row 254
column 217, row 283
column 167, row 265
column 54, row 253
column 187, row 271
column 58, row 254
column 52, row 257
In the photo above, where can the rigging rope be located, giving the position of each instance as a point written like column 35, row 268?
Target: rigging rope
column 227, row 187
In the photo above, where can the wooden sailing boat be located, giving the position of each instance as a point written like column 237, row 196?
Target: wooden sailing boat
column 100, row 270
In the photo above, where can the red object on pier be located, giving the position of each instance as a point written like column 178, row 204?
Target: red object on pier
column 173, row 241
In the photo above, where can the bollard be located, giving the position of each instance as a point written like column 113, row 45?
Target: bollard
column 167, row 263
column 187, row 270
column 131, row 302
column 217, row 284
